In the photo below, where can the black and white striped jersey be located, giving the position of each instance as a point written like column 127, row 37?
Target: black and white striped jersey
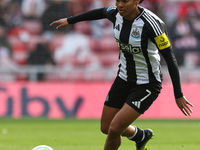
column 139, row 42
column 136, row 39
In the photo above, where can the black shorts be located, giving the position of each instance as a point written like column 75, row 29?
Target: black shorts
column 139, row 97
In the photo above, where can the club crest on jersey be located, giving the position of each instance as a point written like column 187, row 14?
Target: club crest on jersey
column 135, row 33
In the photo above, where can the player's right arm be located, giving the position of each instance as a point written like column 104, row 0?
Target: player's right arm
column 95, row 14
column 86, row 16
column 61, row 23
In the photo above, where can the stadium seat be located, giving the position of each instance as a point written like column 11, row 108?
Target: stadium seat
column 108, row 59
column 33, row 26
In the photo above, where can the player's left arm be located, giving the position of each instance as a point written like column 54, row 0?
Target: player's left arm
column 166, row 51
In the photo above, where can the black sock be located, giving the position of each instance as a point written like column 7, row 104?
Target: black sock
column 139, row 136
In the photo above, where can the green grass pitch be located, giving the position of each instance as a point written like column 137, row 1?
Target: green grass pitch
column 73, row 134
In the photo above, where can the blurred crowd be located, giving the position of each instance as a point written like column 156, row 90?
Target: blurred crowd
column 27, row 39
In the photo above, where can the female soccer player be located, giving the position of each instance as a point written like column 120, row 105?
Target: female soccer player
column 140, row 36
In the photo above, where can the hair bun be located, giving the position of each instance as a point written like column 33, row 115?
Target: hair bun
column 141, row 1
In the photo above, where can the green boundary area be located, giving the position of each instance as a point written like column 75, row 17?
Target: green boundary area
column 74, row 134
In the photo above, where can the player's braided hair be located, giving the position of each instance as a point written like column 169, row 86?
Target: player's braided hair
column 141, row 1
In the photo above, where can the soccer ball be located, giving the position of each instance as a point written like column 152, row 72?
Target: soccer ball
column 42, row 147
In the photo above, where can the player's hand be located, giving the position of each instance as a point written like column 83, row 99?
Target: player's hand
column 61, row 23
column 184, row 105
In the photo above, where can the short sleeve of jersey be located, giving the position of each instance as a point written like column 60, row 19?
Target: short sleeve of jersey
column 157, row 30
column 110, row 13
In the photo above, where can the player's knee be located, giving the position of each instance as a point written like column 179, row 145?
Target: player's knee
column 114, row 131
column 104, row 129
column 110, row 129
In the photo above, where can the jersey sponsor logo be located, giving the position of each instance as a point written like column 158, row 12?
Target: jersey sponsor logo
column 128, row 48
column 117, row 27
column 135, row 33
column 162, row 41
